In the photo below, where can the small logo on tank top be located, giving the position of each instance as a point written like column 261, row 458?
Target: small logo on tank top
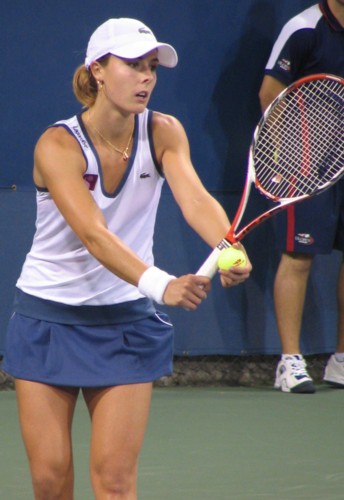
column 144, row 175
column 80, row 137
column 91, row 180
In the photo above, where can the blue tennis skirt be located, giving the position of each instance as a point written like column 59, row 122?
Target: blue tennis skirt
column 89, row 355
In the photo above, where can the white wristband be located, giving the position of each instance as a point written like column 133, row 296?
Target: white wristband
column 153, row 283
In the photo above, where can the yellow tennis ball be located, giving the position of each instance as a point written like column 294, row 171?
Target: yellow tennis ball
column 231, row 257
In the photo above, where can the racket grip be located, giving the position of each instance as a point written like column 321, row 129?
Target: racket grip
column 209, row 267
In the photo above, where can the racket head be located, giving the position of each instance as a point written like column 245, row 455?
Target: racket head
column 297, row 149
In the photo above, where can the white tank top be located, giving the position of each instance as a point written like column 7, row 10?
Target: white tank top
column 58, row 266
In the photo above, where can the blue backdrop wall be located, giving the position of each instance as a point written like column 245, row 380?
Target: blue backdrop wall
column 223, row 46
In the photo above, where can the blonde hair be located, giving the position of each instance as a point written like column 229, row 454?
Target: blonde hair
column 85, row 86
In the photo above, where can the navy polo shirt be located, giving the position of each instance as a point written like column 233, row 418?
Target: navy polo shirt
column 309, row 43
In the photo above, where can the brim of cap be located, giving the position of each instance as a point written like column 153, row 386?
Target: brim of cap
column 166, row 53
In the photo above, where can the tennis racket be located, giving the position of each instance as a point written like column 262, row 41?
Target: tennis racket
column 297, row 151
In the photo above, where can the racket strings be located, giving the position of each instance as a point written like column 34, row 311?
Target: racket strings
column 299, row 146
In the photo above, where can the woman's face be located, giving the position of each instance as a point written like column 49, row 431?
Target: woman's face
column 129, row 83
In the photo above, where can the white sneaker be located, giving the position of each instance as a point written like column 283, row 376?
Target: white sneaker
column 292, row 376
column 334, row 372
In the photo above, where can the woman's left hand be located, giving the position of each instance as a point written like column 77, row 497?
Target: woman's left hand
column 236, row 275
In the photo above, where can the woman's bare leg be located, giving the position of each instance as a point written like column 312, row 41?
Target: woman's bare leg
column 119, row 418
column 45, row 414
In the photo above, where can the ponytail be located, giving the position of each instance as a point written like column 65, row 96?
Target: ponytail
column 84, row 86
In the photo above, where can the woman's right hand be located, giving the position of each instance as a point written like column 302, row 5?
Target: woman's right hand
column 187, row 291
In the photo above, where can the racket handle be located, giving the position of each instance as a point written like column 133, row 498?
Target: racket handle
column 209, row 267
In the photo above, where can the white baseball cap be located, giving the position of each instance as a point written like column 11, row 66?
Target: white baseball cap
column 127, row 38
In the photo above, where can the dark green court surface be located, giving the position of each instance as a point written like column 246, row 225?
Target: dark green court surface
column 213, row 444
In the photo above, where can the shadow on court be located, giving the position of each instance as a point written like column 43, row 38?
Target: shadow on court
column 212, row 444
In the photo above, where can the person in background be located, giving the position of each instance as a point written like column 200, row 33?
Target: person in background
column 84, row 314
column 311, row 42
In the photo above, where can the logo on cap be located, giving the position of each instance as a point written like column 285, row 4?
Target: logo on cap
column 144, row 30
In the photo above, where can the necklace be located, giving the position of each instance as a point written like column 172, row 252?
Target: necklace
column 124, row 153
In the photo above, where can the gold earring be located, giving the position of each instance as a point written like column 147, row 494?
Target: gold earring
column 100, row 85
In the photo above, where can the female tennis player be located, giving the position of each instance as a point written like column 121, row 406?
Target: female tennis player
column 84, row 316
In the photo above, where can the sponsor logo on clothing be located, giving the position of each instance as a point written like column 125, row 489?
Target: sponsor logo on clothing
column 144, row 175
column 80, row 137
column 284, row 64
column 144, row 30
column 90, row 180
column 304, row 239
